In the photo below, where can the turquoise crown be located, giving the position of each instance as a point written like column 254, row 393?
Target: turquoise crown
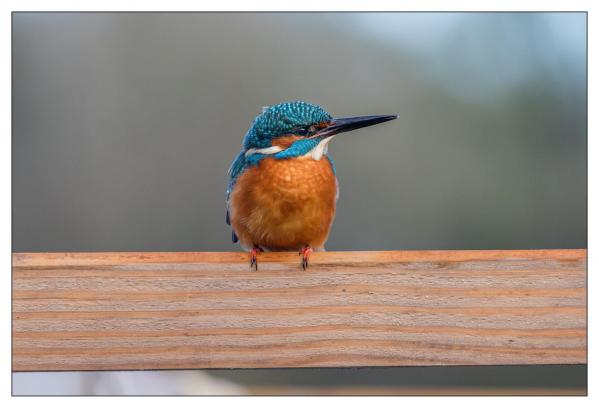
column 283, row 118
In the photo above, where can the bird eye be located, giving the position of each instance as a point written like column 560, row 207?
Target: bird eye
column 302, row 131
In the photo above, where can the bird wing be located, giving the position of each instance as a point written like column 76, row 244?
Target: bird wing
column 237, row 167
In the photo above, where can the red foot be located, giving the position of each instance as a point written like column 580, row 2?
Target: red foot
column 254, row 257
column 305, row 252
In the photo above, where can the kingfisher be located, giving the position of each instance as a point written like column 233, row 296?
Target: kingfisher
column 283, row 189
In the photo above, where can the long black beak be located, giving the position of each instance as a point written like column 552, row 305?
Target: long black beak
column 340, row 125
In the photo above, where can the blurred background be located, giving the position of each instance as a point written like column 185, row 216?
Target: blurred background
column 124, row 126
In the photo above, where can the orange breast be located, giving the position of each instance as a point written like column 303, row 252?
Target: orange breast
column 284, row 204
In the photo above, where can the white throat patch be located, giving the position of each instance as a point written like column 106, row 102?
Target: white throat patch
column 320, row 149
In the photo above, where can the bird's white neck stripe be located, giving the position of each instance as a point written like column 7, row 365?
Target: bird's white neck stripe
column 266, row 150
column 316, row 153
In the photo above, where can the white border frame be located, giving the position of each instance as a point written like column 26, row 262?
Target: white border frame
column 7, row 6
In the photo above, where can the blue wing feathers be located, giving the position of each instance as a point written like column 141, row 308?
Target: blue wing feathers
column 332, row 164
column 237, row 167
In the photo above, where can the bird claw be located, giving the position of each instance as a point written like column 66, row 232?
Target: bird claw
column 305, row 252
column 254, row 257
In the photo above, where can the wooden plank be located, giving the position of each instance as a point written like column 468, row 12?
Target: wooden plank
column 121, row 311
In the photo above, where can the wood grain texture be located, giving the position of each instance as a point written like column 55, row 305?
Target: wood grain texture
column 121, row 311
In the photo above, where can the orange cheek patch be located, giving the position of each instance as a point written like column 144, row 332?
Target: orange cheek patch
column 285, row 141
column 322, row 125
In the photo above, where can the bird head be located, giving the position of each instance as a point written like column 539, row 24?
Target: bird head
column 293, row 129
